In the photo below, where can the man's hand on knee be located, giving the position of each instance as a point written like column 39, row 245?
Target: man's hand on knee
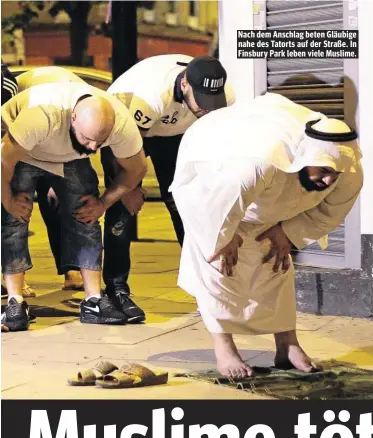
column 92, row 210
column 20, row 207
column 280, row 247
column 228, row 256
column 134, row 200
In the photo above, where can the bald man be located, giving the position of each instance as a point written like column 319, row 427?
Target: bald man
column 49, row 133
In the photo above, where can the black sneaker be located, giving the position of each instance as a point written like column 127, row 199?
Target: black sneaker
column 100, row 311
column 16, row 316
column 122, row 300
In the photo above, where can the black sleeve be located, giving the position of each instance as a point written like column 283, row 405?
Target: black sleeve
column 9, row 86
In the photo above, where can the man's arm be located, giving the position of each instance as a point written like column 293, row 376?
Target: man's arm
column 308, row 227
column 130, row 162
column 21, row 135
column 254, row 180
column 131, row 172
column 11, row 154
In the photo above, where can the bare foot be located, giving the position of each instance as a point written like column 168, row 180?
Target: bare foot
column 289, row 354
column 295, row 357
column 229, row 362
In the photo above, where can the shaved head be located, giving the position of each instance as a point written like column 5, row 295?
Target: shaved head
column 93, row 120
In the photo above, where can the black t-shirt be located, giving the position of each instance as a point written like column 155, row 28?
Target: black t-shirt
column 9, row 86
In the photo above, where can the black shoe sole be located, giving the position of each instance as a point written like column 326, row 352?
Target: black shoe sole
column 92, row 319
column 136, row 319
column 17, row 326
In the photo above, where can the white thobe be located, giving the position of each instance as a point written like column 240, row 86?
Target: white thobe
column 219, row 192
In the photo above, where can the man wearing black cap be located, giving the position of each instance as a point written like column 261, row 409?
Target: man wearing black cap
column 166, row 95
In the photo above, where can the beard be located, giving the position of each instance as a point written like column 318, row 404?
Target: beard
column 309, row 185
column 77, row 146
column 188, row 102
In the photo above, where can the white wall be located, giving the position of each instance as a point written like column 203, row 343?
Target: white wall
column 236, row 15
column 365, row 14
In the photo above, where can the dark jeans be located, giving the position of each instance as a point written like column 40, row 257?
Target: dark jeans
column 52, row 220
column 163, row 152
column 118, row 222
column 81, row 246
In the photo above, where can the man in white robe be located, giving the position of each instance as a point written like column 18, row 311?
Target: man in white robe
column 251, row 181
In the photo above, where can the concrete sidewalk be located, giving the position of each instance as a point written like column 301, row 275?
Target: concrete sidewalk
column 37, row 363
